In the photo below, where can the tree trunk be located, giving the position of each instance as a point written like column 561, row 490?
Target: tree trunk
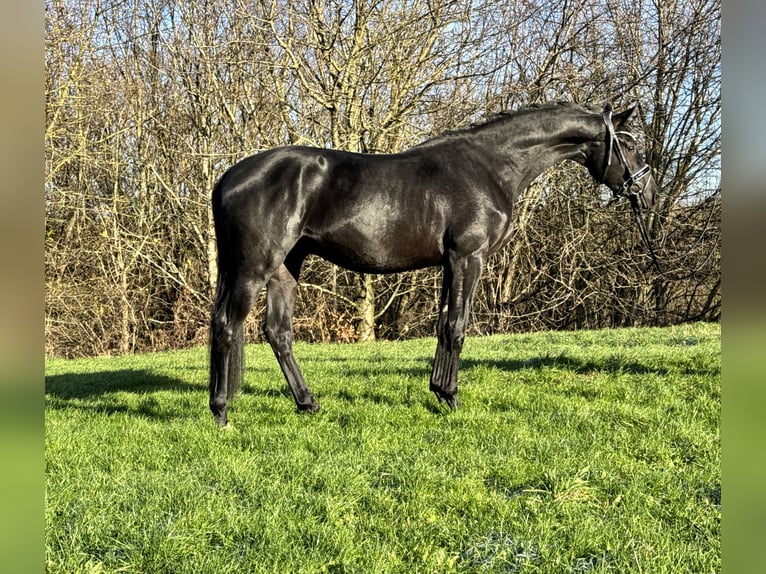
column 365, row 331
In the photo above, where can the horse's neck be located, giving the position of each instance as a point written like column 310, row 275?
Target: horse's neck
column 545, row 156
column 521, row 152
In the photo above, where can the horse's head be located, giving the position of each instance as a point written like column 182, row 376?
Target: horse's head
column 616, row 161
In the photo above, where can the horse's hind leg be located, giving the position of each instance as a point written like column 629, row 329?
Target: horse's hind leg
column 235, row 297
column 280, row 304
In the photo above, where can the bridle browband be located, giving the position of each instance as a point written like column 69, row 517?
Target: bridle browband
column 629, row 183
column 628, row 188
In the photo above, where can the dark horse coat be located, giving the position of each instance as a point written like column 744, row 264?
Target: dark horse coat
column 446, row 202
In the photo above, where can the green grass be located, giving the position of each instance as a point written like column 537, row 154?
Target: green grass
column 594, row 451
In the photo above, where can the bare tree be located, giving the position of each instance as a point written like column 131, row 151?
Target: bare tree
column 149, row 101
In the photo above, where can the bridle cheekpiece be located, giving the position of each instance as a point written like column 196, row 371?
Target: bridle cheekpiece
column 628, row 187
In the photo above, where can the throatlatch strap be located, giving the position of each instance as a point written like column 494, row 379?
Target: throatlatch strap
column 609, row 139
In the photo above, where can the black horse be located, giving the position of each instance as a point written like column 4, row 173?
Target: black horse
column 446, row 202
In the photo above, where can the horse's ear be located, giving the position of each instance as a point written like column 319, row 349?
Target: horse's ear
column 622, row 118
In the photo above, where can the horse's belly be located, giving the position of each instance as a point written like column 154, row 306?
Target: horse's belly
column 379, row 249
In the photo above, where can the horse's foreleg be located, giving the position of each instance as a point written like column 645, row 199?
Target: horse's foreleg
column 280, row 304
column 442, row 360
column 460, row 279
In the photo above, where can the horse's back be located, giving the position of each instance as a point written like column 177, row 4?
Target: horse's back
column 368, row 212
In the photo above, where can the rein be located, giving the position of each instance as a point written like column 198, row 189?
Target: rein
column 644, row 233
column 628, row 185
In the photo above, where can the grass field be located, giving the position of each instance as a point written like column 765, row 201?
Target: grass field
column 594, row 451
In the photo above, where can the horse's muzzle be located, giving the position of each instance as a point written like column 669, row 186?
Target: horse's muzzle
column 648, row 193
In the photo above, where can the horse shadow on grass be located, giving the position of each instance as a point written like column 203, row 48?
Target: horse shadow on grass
column 377, row 369
column 97, row 393
column 376, row 372
column 615, row 364
column 575, row 365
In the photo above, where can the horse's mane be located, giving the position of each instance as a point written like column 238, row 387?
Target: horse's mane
column 525, row 110
column 509, row 115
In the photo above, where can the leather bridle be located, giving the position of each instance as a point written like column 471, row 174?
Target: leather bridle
column 629, row 187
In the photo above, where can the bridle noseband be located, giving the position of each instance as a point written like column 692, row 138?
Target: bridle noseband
column 631, row 179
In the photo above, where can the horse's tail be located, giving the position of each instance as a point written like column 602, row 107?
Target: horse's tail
column 220, row 320
column 236, row 355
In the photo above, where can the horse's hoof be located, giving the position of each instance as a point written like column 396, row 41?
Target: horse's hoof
column 311, row 408
column 452, row 401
